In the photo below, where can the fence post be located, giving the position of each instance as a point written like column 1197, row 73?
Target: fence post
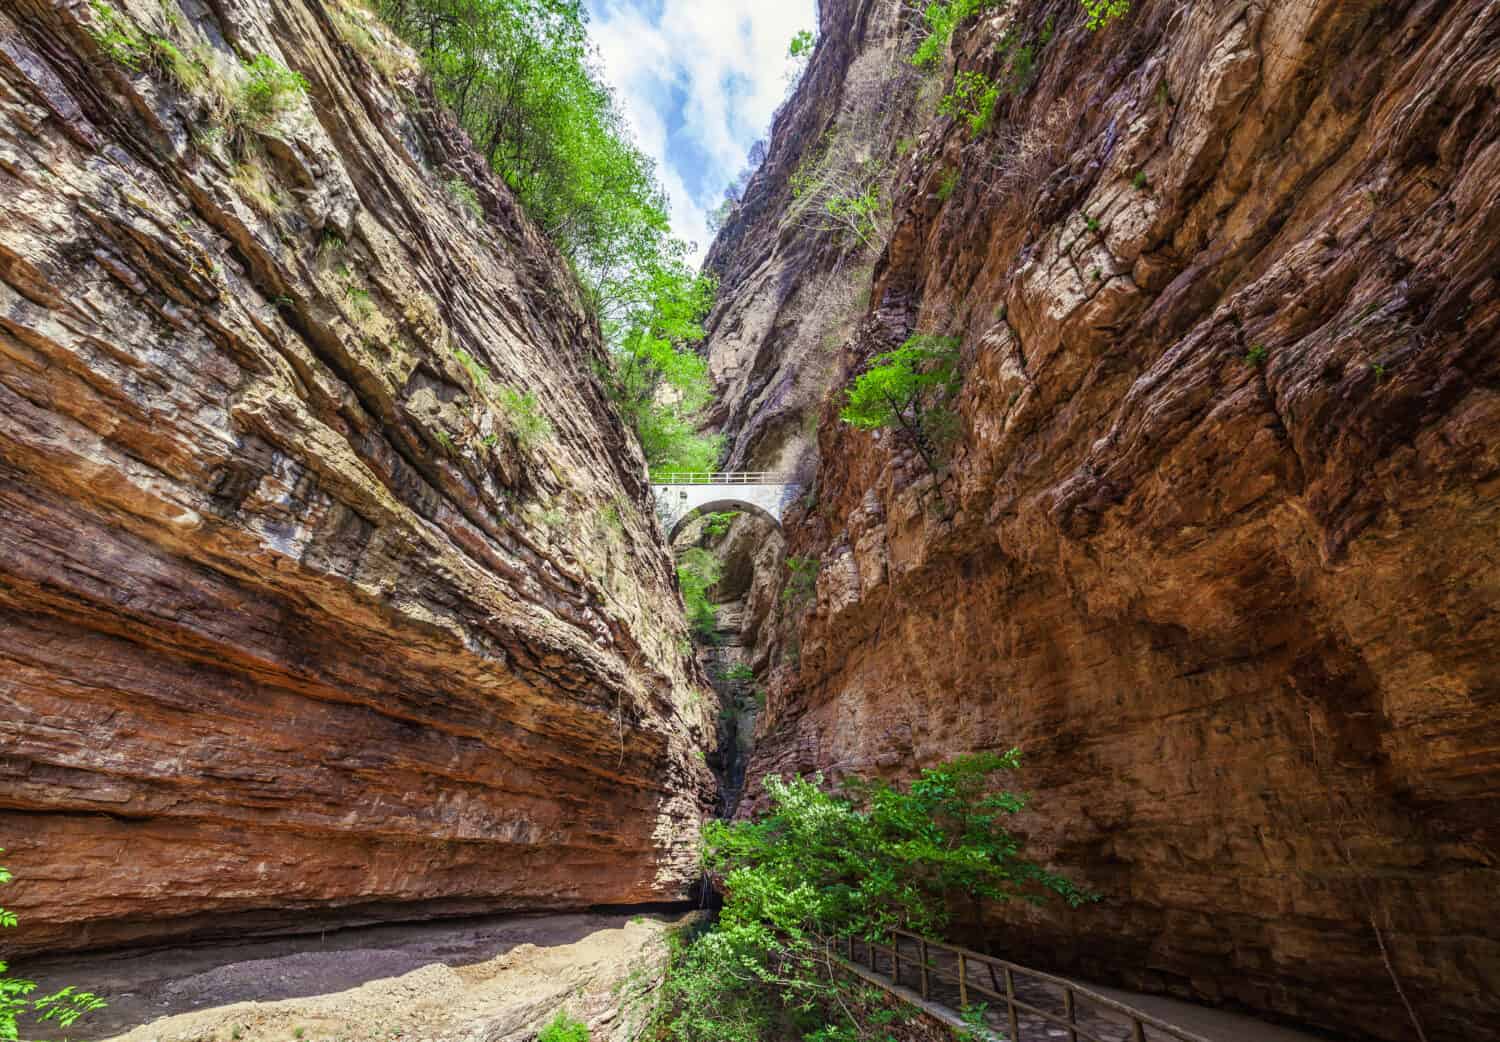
column 924, row 966
column 895, row 960
column 963, row 985
column 1137, row 1031
column 1072, row 1014
column 1010, row 1005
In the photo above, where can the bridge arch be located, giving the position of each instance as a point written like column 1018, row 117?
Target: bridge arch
column 716, row 506
column 681, row 497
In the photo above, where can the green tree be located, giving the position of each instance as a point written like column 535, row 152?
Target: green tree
column 909, row 389
column 819, row 865
column 61, row 1007
column 658, row 382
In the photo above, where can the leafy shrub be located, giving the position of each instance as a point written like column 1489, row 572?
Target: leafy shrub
column 856, row 213
column 801, row 580
column 1256, row 356
column 563, row 1028
column 268, row 90
column 737, row 672
column 909, row 390
column 834, row 189
column 524, row 416
column 946, row 185
column 942, row 18
column 716, row 524
column 973, row 100
column 1102, row 12
column 802, row 44
column 819, row 865
column 656, row 380
column 697, row 571
column 62, row 1007
column 117, row 36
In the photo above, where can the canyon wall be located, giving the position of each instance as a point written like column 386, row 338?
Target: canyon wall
column 330, row 588
column 1215, row 545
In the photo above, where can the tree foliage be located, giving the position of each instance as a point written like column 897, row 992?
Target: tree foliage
column 522, row 79
column 820, row 865
column 61, row 1007
column 658, row 381
column 909, row 389
column 697, row 571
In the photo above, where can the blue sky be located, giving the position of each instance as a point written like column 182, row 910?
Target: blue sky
column 698, row 80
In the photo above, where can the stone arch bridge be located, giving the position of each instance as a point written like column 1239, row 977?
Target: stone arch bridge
column 682, row 496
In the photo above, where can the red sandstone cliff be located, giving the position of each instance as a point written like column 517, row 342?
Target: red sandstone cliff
column 296, row 624
column 1217, row 544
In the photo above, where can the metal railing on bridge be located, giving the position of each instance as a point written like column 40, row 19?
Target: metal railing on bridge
column 721, row 477
column 1027, row 1004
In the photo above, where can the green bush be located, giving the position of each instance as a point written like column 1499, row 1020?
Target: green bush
column 563, row 1028
column 268, row 90
column 62, row 1007
column 697, row 571
column 737, row 672
column 524, row 417
column 716, row 525
column 909, row 389
column 819, row 865
column 973, row 100
column 942, row 18
column 1102, row 12
column 801, row 581
column 947, row 184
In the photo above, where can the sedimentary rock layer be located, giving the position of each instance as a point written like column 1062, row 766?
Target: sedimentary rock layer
column 306, row 611
column 1217, row 542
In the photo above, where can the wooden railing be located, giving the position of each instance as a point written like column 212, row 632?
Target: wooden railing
column 962, row 979
column 723, row 477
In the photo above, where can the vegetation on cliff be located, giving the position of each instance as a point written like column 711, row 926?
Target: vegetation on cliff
column 818, row 866
column 909, row 389
column 521, row 78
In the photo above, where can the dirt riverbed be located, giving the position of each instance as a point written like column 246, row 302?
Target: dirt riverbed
column 472, row 980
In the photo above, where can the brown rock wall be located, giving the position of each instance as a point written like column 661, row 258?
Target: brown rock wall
column 293, row 625
column 1217, row 545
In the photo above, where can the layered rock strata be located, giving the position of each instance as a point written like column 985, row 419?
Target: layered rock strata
column 329, row 584
column 1215, row 546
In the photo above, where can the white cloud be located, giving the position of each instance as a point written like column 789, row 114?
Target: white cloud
column 699, row 81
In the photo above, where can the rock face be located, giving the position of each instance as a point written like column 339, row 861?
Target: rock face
column 1216, row 545
column 307, row 613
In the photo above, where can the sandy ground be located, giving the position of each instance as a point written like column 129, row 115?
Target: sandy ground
column 474, row 980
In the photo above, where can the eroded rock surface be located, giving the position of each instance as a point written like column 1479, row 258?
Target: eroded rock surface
column 1216, row 547
column 301, row 618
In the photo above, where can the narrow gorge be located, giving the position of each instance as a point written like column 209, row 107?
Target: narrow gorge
column 342, row 586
